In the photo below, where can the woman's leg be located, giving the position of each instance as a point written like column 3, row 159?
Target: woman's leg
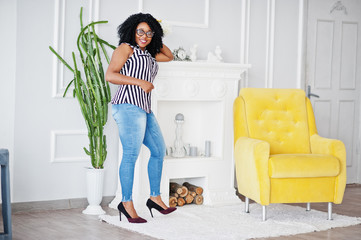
column 131, row 121
column 153, row 139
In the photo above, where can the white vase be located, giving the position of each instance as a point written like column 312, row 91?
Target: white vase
column 94, row 181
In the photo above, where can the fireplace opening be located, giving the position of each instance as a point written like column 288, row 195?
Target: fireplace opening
column 184, row 191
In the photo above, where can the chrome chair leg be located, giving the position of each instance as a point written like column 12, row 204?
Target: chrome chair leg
column 329, row 211
column 308, row 207
column 264, row 213
column 246, row 205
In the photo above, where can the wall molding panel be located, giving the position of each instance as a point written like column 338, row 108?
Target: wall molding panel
column 58, row 80
column 72, row 137
column 271, row 11
column 245, row 31
column 301, row 44
column 244, row 53
column 58, row 45
column 94, row 11
column 203, row 24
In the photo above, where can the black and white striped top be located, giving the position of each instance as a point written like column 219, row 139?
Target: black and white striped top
column 140, row 65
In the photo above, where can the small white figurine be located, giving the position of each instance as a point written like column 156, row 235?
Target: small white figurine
column 218, row 53
column 194, row 52
column 216, row 56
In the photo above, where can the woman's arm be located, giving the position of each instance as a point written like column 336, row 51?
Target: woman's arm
column 165, row 55
column 113, row 75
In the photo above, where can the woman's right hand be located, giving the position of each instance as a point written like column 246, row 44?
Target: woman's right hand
column 146, row 86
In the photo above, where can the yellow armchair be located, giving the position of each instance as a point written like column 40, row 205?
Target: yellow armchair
column 278, row 154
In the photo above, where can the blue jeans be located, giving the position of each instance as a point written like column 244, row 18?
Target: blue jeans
column 136, row 127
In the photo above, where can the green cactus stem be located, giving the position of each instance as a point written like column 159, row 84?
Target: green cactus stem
column 93, row 93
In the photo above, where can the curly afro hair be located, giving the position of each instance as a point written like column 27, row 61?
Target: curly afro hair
column 126, row 31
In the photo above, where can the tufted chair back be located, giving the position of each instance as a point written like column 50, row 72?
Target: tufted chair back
column 278, row 116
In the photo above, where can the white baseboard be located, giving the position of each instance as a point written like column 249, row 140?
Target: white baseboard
column 55, row 204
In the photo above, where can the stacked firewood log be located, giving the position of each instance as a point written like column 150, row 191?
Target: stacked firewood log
column 184, row 194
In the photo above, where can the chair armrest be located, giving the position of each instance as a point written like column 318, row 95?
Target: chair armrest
column 251, row 159
column 336, row 148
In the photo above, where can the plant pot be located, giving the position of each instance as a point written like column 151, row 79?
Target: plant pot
column 94, row 181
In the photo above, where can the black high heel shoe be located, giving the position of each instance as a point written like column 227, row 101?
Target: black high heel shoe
column 130, row 219
column 150, row 204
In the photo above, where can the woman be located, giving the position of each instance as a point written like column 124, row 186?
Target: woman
column 133, row 67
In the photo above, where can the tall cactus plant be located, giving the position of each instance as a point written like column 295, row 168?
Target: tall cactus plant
column 93, row 94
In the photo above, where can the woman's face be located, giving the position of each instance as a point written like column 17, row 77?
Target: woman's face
column 143, row 35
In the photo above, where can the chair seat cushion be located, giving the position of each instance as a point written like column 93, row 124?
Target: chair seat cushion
column 303, row 166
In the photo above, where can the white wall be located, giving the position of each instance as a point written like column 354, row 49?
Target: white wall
column 45, row 169
column 275, row 34
column 224, row 20
column 7, row 79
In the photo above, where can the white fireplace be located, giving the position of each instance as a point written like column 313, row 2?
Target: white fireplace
column 204, row 93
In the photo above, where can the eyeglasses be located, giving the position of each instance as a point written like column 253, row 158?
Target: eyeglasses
column 141, row 32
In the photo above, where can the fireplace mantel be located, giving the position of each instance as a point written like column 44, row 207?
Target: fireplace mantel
column 186, row 75
column 204, row 93
column 203, row 69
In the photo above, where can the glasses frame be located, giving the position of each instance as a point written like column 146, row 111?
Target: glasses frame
column 140, row 32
